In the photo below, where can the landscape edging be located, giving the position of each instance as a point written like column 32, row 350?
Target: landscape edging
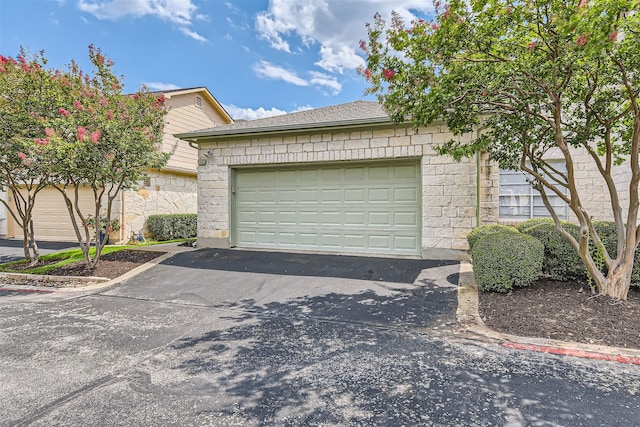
column 469, row 319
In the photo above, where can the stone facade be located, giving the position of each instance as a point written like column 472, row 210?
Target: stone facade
column 448, row 188
column 162, row 193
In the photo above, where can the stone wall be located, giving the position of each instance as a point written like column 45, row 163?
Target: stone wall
column 448, row 188
column 166, row 193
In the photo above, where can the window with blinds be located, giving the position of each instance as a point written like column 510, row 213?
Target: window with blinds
column 520, row 201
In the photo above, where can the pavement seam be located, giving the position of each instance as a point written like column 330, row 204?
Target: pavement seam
column 470, row 321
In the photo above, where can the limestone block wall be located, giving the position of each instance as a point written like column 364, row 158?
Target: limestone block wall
column 591, row 187
column 163, row 193
column 448, row 188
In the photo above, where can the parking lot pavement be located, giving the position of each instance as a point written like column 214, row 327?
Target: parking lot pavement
column 12, row 249
column 230, row 338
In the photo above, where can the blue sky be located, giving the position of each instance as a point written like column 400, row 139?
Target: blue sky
column 257, row 57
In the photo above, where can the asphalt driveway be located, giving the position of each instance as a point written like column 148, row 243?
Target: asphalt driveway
column 12, row 249
column 215, row 337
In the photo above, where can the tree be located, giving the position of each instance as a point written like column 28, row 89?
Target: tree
column 28, row 93
column 105, row 140
column 535, row 76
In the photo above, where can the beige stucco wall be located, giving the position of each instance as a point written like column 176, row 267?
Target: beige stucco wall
column 3, row 215
column 448, row 188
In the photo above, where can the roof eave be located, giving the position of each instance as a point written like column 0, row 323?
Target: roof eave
column 214, row 134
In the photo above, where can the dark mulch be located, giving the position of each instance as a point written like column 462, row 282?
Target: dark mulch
column 111, row 265
column 565, row 311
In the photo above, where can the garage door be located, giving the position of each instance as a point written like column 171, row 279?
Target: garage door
column 359, row 208
column 50, row 216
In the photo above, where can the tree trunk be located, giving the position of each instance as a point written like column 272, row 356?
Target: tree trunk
column 619, row 280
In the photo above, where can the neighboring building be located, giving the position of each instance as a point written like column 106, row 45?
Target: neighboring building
column 345, row 179
column 170, row 190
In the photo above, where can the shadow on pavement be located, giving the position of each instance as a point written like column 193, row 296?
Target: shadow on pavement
column 55, row 246
column 396, row 270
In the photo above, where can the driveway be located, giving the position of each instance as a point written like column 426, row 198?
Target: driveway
column 227, row 337
column 12, row 249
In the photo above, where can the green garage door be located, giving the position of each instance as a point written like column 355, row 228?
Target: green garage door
column 358, row 208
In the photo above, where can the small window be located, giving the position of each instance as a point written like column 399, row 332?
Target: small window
column 147, row 181
column 198, row 102
column 520, row 201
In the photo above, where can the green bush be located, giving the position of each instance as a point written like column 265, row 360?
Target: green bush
column 504, row 260
column 482, row 231
column 524, row 225
column 172, row 226
column 561, row 260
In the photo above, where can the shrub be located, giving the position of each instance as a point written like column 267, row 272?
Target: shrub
column 172, row 226
column 561, row 260
column 524, row 225
column 504, row 260
column 482, row 231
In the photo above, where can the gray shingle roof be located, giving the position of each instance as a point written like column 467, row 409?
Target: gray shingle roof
column 351, row 113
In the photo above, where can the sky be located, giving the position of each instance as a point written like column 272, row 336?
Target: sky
column 258, row 58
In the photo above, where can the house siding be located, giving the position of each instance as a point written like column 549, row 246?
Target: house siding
column 184, row 116
column 448, row 188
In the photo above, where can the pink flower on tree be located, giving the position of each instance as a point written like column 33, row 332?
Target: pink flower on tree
column 49, row 132
column 582, row 40
column 42, row 141
column 95, row 136
column 22, row 156
column 367, row 74
column 388, row 74
column 82, row 133
column 64, row 112
column 613, row 36
column 136, row 96
column 78, row 105
column 531, row 46
column 583, row 3
column 109, row 115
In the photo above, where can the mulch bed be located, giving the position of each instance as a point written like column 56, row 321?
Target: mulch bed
column 111, row 265
column 565, row 311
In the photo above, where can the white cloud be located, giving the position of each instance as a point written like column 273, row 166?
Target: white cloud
column 325, row 80
column 239, row 113
column 159, row 86
column 270, row 71
column 178, row 12
column 335, row 26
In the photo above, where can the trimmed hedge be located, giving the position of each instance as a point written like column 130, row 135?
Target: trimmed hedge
column 482, row 231
column 524, row 225
column 505, row 260
column 561, row 260
column 172, row 226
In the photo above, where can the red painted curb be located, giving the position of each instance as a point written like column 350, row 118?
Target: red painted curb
column 575, row 353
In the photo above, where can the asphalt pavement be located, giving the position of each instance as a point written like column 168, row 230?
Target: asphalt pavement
column 227, row 337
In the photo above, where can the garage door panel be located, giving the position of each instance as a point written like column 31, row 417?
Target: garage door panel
column 51, row 218
column 364, row 208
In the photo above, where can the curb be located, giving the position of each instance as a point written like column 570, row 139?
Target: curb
column 105, row 282
column 469, row 319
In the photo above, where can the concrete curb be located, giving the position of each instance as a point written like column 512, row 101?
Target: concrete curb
column 105, row 282
column 469, row 319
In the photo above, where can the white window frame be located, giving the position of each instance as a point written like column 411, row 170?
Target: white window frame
column 520, row 201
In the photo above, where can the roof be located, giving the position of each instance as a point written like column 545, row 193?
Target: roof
column 201, row 89
column 342, row 115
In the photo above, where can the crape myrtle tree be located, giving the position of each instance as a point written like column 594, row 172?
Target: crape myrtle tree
column 28, row 94
column 106, row 141
column 532, row 76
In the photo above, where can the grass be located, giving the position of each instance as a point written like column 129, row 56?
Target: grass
column 60, row 259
